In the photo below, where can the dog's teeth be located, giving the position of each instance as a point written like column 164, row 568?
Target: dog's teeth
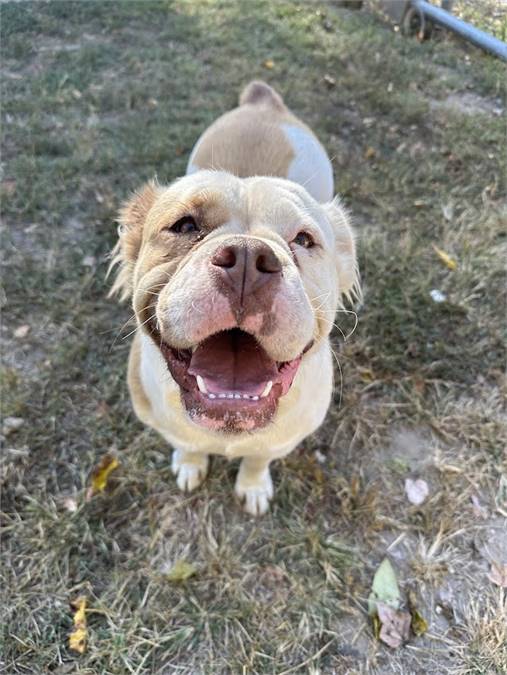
column 246, row 396
column 255, row 398
column 267, row 389
column 237, row 395
column 230, row 395
column 201, row 384
column 222, row 395
column 211, row 396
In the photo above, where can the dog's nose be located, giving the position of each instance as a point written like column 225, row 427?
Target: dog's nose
column 247, row 264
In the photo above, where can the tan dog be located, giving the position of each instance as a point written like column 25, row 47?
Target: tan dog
column 235, row 275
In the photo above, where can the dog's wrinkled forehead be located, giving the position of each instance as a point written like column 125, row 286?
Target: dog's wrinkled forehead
column 244, row 204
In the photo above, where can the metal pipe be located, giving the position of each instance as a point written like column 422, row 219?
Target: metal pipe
column 477, row 37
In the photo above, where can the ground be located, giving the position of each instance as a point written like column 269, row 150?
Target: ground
column 97, row 98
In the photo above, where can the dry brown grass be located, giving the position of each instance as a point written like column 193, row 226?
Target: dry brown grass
column 101, row 96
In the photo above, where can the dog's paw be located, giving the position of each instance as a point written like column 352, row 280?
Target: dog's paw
column 189, row 474
column 256, row 492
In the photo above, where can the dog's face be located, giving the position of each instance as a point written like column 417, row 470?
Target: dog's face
column 234, row 280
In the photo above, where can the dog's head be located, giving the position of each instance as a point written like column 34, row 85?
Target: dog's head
column 234, row 280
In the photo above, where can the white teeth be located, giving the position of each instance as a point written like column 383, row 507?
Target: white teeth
column 201, row 384
column 236, row 396
column 267, row 389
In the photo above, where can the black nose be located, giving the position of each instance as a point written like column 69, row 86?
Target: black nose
column 247, row 264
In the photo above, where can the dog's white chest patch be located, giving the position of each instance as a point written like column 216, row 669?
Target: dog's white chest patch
column 310, row 167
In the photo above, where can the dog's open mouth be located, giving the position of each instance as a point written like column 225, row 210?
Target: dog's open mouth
column 229, row 382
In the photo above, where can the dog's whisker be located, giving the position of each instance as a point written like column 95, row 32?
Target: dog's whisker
column 150, row 318
column 341, row 374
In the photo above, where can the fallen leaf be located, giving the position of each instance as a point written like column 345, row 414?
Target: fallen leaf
column 269, row 64
column 181, row 571
column 478, row 509
column 395, row 629
column 330, row 81
column 366, row 374
column 448, row 211
column 89, row 261
column 445, row 258
column 22, row 331
column 419, row 624
column 498, row 574
column 437, row 296
column 320, row 457
column 370, row 153
column 501, row 496
column 70, row 504
column 11, row 424
column 9, row 186
column 100, row 474
column 77, row 639
column 416, row 490
column 384, row 588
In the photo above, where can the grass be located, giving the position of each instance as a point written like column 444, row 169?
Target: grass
column 97, row 98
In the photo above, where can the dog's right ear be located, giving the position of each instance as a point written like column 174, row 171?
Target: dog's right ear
column 131, row 219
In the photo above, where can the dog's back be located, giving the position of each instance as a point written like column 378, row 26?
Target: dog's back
column 262, row 137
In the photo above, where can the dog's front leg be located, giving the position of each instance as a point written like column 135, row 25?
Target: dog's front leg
column 254, row 485
column 190, row 469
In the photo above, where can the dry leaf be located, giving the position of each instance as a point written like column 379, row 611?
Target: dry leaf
column 77, row 639
column 498, row 574
column 100, row 474
column 370, row 153
column 70, row 504
column 11, row 424
column 478, row 509
column 384, row 588
column 395, row 627
column 22, row 331
column 437, row 296
column 416, row 490
column 419, row 624
column 181, row 571
column 330, row 81
column 89, row 261
column 445, row 258
column 269, row 64
column 501, row 496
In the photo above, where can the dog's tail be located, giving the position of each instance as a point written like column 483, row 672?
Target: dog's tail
column 260, row 93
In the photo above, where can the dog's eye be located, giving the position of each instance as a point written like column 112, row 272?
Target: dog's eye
column 185, row 225
column 304, row 239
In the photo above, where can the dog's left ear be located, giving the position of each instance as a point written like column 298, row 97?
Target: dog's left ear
column 131, row 219
column 349, row 282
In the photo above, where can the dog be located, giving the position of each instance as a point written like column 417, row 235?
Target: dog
column 235, row 272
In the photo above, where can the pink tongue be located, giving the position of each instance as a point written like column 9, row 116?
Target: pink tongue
column 233, row 361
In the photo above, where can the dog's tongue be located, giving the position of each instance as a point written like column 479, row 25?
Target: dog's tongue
column 233, row 361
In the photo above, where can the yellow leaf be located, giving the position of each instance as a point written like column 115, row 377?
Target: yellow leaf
column 100, row 473
column 181, row 571
column 445, row 258
column 269, row 64
column 418, row 624
column 77, row 639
